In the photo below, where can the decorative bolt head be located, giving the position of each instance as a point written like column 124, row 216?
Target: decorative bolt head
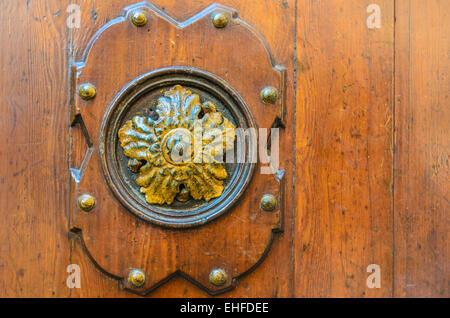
column 86, row 202
column 139, row 18
column 87, row 91
column 220, row 20
column 269, row 95
column 268, row 202
column 136, row 278
column 218, row 277
column 183, row 196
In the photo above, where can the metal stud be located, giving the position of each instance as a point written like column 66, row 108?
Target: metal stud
column 139, row 18
column 136, row 278
column 268, row 202
column 269, row 95
column 218, row 277
column 86, row 202
column 87, row 91
column 183, row 196
column 220, row 20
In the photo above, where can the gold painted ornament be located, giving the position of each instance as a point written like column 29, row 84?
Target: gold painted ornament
column 180, row 153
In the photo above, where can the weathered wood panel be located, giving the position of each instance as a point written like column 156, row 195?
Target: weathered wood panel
column 343, row 173
column 34, row 248
column 422, row 144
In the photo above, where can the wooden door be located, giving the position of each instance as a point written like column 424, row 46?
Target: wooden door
column 363, row 142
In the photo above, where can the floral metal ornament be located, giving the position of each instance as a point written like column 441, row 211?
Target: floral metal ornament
column 179, row 154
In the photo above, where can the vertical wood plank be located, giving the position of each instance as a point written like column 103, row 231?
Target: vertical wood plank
column 275, row 21
column 343, row 174
column 34, row 249
column 422, row 148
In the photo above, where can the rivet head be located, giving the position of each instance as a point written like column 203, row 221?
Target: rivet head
column 86, row 202
column 136, row 278
column 183, row 196
column 139, row 18
column 220, row 20
column 269, row 95
column 218, row 277
column 268, row 202
column 87, row 91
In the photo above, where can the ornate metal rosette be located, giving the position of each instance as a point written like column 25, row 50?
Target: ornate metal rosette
column 178, row 153
column 156, row 116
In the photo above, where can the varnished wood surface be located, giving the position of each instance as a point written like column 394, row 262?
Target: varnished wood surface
column 34, row 248
column 422, row 149
column 368, row 140
column 343, row 203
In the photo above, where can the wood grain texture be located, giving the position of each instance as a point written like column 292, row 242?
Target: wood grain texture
column 343, row 195
column 422, row 147
column 34, row 249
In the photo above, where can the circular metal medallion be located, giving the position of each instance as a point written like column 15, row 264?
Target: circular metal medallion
column 172, row 147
